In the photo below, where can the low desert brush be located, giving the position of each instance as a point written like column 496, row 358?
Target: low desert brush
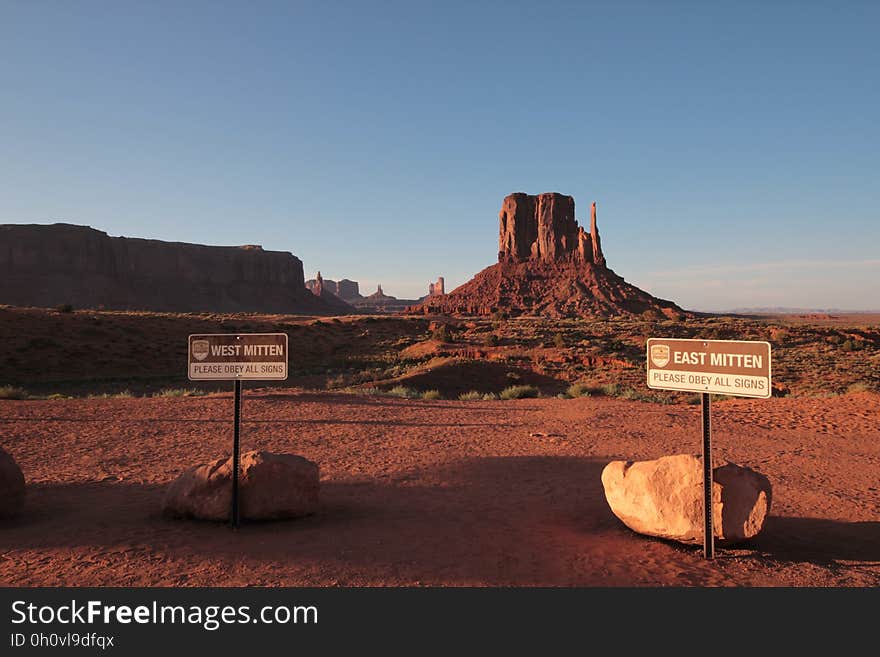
column 519, row 392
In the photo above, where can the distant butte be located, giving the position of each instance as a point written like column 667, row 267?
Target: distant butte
column 547, row 265
column 345, row 289
column 60, row 264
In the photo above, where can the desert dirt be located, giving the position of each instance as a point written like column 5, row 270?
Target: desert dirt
column 444, row 492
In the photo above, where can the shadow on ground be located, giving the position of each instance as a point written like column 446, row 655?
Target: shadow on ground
column 820, row 541
column 521, row 520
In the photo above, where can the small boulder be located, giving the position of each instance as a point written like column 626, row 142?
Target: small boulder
column 11, row 486
column 664, row 498
column 271, row 487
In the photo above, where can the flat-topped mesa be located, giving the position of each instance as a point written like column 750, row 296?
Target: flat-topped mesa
column 50, row 265
column 544, row 228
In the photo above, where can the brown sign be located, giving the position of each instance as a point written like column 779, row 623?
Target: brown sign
column 245, row 357
column 724, row 367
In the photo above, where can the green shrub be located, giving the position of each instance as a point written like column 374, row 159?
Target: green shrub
column 580, row 390
column 64, row 308
column 631, row 394
column 432, row 394
column 519, row 392
column 848, row 345
column 13, row 392
column 559, row 341
column 440, row 334
column 472, row 395
column 609, row 389
column 403, row 392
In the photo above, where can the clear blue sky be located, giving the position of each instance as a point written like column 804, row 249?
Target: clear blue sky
column 733, row 148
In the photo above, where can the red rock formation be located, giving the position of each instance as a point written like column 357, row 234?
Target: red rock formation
column 547, row 265
column 437, row 289
column 64, row 264
column 597, row 255
column 518, row 227
column 544, row 228
column 348, row 290
column 345, row 289
column 316, row 286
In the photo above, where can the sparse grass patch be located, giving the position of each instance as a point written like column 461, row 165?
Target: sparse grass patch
column 859, row 387
column 404, row 392
column 490, row 396
column 13, row 392
column 432, row 394
column 581, row 390
column 610, row 389
column 472, row 395
column 519, row 392
column 121, row 395
column 360, row 391
column 178, row 392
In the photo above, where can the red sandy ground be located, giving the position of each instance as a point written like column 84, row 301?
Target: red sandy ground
column 432, row 492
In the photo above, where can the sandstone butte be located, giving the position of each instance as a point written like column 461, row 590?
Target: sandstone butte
column 53, row 265
column 547, row 265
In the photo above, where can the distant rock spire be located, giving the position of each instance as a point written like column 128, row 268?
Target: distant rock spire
column 598, row 257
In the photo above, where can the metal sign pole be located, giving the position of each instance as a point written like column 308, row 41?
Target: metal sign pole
column 236, row 430
column 708, row 533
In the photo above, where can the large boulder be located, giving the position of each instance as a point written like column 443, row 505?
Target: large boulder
column 11, row 486
column 664, row 498
column 271, row 486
